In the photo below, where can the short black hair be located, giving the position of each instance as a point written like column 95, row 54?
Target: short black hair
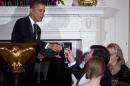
column 101, row 51
column 35, row 2
column 98, row 47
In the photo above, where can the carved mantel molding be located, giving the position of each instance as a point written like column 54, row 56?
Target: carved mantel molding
column 76, row 10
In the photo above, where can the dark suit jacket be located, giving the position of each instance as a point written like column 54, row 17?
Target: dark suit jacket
column 59, row 74
column 78, row 73
column 23, row 33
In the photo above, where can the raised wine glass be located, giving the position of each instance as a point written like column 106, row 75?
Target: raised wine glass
column 66, row 60
column 58, row 55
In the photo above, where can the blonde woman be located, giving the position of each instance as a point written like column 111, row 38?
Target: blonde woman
column 117, row 66
column 95, row 69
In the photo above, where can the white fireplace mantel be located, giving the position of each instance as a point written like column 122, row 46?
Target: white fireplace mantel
column 76, row 10
column 82, row 23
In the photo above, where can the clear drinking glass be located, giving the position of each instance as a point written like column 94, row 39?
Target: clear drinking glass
column 58, row 55
column 66, row 61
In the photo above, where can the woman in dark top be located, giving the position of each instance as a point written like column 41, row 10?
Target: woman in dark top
column 119, row 70
column 123, row 74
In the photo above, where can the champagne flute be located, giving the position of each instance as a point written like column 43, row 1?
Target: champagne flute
column 58, row 55
column 66, row 60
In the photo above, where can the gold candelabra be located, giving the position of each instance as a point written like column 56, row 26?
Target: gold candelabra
column 87, row 2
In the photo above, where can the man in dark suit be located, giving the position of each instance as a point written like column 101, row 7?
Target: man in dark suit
column 27, row 31
column 24, row 28
column 96, row 50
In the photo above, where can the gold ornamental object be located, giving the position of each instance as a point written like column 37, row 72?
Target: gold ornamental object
column 16, row 55
column 87, row 2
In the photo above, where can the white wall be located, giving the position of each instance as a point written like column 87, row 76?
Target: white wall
column 129, row 39
column 121, row 24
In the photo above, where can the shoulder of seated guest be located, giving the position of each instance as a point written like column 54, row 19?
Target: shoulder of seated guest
column 124, row 68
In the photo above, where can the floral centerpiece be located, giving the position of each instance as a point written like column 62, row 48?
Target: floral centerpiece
column 53, row 2
column 27, row 2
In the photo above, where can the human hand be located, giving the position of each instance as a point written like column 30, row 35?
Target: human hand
column 40, row 56
column 55, row 47
column 69, row 55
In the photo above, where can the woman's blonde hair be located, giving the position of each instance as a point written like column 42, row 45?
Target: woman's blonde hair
column 95, row 67
column 118, row 51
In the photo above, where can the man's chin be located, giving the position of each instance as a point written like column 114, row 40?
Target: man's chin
column 39, row 20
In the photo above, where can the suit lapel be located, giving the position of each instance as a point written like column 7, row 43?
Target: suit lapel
column 30, row 28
